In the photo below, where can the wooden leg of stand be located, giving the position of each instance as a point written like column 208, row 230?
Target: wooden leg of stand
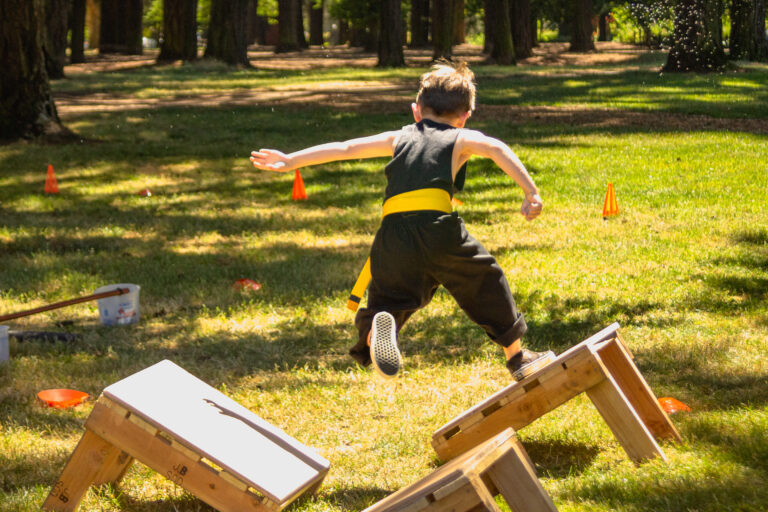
column 84, row 464
column 114, row 469
column 619, row 364
column 624, row 421
column 486, row 498
column 516, row 480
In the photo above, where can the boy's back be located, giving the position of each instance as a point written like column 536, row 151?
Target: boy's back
column 423, row 158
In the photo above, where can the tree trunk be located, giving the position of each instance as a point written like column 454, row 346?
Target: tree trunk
column 316, row 9
column 391, row 35
column 502, row 46
column 488, row 27
column 227, row 32
column 257, row 25
column 120, row 27
column 419, row 23
column 603, row 28
column 77, row 26
column 26, row 107
column 581, row 39
column 442, row 29
column 697, row 39
column 286, row 21
column 459, row 28
column 93, row 22
column 179, row 31
column 55, row 42
column 520, row 20
column 748, row 41
column 343, row 32
column 300, row 37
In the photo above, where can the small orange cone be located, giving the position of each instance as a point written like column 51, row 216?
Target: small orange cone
column 51, row 185
column 298, row 188
column 456, row 202
column 610, row 207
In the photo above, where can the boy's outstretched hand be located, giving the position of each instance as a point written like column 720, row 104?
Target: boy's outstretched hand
column 270, row 160
column 532, row 206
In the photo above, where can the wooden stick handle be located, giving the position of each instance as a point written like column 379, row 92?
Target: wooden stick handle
column 57, row 305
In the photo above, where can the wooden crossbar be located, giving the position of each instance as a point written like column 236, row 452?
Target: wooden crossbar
column 602, row 367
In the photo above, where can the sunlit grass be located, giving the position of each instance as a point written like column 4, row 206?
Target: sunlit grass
column 683, row 268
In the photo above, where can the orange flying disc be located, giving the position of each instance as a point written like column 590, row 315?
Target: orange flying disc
column 672, row 405
column 62, row 398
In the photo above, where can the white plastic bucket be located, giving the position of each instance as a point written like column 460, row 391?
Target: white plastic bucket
column 4, row 354
column 119, row 309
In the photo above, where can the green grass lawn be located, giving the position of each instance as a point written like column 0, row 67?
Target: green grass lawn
column 683, row 268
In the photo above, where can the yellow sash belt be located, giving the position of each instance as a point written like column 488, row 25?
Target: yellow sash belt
column 416, row 200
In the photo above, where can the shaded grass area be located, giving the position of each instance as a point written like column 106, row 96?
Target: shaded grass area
column 683, row 268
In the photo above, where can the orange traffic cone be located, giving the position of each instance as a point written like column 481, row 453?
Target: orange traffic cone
column 51, row 185
column 298, row 187
column 610, row 207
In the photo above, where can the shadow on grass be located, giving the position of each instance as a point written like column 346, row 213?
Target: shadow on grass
column 557, row 459
column 713, row 492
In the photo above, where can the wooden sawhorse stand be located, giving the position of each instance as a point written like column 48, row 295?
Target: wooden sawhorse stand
column 602, row 367
column 193, row 435
column 469, row 482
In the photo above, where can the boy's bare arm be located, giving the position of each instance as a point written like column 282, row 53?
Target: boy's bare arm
column 473, row 142
column 374, row 146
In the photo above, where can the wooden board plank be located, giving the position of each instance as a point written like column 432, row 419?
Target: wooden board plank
column 539, row 400
column 451, row 479
column 155, row 452
column 81, row 469
column 574, row 356
column 624, row 421
column 619, row 364
column 245, row 445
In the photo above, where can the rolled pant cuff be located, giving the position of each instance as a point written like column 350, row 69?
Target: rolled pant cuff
column 361, row 353
column 514, row 333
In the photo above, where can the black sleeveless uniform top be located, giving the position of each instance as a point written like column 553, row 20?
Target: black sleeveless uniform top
column 422, row 159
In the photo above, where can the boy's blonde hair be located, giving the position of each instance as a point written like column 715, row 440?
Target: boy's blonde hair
column 447, row 89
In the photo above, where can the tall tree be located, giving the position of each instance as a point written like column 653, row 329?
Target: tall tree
column 502, row 48
column 581, row 37
column 459, row 28
column 523, row 33
column 26, row 107
column 179, row 30
column 55, row 43
column 120, row 27
column 419, row 23
column 77, row 27
column 442, row 28
column 300, row 25
column 391, row 35
column 316, row 11
column 287, row 27
column 227, row 32
column 697, row 38
column 488, row 26
column 748, row 40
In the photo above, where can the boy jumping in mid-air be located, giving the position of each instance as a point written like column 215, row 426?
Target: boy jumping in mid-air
column 421, row 244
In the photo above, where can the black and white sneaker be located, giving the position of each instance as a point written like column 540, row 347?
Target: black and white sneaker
column 526, row 362
column 384, row 352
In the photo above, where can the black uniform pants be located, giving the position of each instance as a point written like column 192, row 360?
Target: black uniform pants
column 415, row 252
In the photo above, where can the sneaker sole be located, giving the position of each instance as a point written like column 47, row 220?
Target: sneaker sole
column 384, row 352
column 534, row 365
